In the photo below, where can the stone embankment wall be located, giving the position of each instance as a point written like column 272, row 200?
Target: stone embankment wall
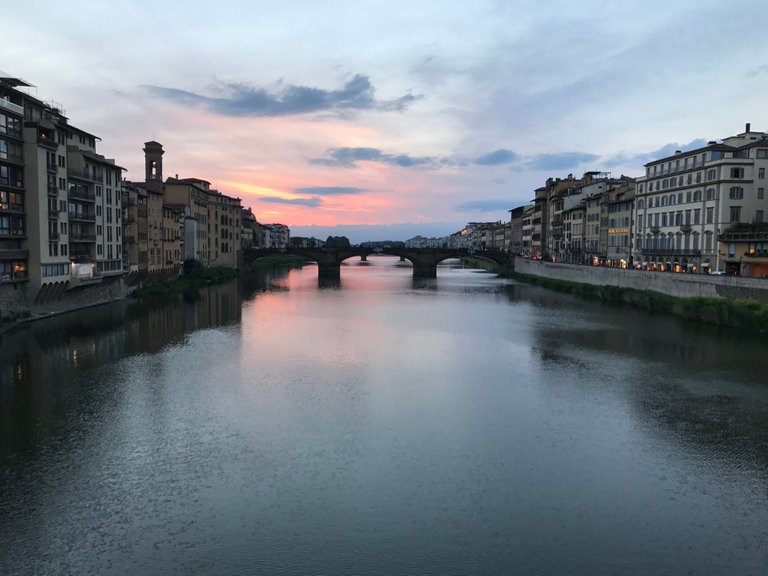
column 56, row 298
column 670, row 283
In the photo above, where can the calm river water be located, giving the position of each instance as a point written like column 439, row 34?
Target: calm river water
column 382, row 426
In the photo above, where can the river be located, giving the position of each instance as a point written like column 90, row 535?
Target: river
column 382, row 425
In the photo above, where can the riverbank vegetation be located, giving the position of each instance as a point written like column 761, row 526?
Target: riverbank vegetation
column 193, row 277
column 747, row 315
column 278, row 261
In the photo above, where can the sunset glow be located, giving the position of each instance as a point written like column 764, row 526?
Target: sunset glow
column 437, row 113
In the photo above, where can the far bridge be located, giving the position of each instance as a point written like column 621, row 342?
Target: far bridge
column 424, row 260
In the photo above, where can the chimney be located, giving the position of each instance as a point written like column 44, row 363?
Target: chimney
column 678, row 151
column 748, row 127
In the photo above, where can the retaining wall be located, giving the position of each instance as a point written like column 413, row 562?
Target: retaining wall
column 671, row 283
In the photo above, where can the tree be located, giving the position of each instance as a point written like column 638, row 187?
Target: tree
column 337, row 242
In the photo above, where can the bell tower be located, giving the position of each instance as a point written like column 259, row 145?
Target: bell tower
column 153, row 164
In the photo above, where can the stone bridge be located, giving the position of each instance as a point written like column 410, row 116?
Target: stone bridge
column 424, row 260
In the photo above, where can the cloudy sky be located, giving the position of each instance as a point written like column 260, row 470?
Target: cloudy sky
column 390, row 119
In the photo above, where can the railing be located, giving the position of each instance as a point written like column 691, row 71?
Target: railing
column 53, row 190
column 85, row 175
column 82, row 216
column 757, row 254
column 53, row 213
column 18, row 208
column 743, row 236
column 79, row 237
column 47, row 142
column 53, row 234
column 80, row 194
column 671, row 251
column 11, row 106
column 685, row 227
column 654, row 229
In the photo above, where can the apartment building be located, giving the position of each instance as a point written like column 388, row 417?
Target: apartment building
column 61, row 215
column 216, row 217
column 687, row 203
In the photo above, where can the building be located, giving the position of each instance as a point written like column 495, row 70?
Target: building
column 60, row 201
column 686, row 204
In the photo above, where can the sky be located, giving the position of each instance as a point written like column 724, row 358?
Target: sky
column 386, row 120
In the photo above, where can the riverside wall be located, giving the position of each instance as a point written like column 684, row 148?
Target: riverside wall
column 670, row 283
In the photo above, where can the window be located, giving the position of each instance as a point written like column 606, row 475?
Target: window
column 697, row 216
column 760, row 193
column 62, row 162
column 762, row 153
column 710, row 215
column 761, row 173
column 735, row 214
column 697, row 196
column 710, row 194
column 737, row 172
column 736, row 193
column 688, row 196
column 711, row 174
column 759, row 216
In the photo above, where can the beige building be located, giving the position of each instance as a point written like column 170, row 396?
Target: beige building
column 217, row 220
column 60, row 201
column 686, row 203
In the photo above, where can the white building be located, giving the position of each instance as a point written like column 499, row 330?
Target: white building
column 684, row 202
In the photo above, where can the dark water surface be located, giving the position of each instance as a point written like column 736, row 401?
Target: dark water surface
column 468, row 425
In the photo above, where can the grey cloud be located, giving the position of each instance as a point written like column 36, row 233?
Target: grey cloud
column 639, row 160
column 329, row 190
column 244, row 100
column 483, row 205
column 313, row 202
column 561, row 161
column 349, row 157
column 500, row 156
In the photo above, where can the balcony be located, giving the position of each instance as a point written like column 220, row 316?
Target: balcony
column 81, row 237
column 53, row 190
column 52, row 166
column 671, row 252
column 85, row 175
column 654, row 229
column 47, row 142
column 53, row 214
column 17, row 208
column 15, row 108
column 53, row 235
column 78, row 193
column 685, row 228
column 82, row 216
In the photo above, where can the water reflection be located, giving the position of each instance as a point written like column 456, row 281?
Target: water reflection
column 381, row 425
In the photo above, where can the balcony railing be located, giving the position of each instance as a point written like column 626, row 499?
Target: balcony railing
column 81, row 194
column 47, row 142
column 53, row 190
column 6, row 207
column 53, row 213
column 11, row 106
column 654, row 229
column 686, row 227
column 85, row 175
column 85, row 217
column 671, row 251
column 80, row 237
